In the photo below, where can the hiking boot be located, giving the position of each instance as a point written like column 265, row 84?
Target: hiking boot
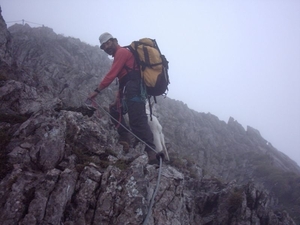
column 160, row 155
column 152, row 159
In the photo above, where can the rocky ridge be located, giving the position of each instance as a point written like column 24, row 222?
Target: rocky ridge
column 62, row 165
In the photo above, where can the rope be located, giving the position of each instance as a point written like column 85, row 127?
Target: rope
column 23, row 21
column 14, row 21
column 154, row 194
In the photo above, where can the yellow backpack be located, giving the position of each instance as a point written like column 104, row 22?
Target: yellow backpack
column 153, row 66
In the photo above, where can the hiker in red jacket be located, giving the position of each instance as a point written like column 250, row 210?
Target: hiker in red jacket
column 127, row 71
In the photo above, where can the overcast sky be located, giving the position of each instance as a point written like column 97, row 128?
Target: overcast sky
column 230, row 58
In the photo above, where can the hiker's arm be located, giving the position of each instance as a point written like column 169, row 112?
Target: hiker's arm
column 94, row 93
column 116, row 68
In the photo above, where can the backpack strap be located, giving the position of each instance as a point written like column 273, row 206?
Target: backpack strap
column 131, row 73
column 150, row 107
column 134, row 52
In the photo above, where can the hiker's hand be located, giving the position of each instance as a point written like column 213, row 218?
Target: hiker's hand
column 89, row 104
column 93, row 95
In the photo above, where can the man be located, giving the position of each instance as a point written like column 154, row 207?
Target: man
column 127, row 71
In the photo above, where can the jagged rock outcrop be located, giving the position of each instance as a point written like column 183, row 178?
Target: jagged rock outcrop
column 56, row 66
column 5, row 40
column 68, row 169
column 61, row 163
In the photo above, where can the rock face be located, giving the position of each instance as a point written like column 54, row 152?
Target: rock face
column 5, row 39
column 61, row 163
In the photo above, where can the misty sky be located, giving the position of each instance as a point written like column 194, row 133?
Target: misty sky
column 230, row 58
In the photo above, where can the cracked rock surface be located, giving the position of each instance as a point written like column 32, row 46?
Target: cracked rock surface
column 61, row 163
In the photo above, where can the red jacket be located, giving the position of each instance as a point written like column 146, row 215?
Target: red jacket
column 123, row 57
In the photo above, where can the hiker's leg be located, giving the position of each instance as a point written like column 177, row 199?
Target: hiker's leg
column 138, row 122
column 118, row 118
column 138, row 119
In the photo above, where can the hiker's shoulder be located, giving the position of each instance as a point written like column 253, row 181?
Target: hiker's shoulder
column 123, row 52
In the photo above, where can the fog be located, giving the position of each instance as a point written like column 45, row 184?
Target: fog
column 237, row 59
